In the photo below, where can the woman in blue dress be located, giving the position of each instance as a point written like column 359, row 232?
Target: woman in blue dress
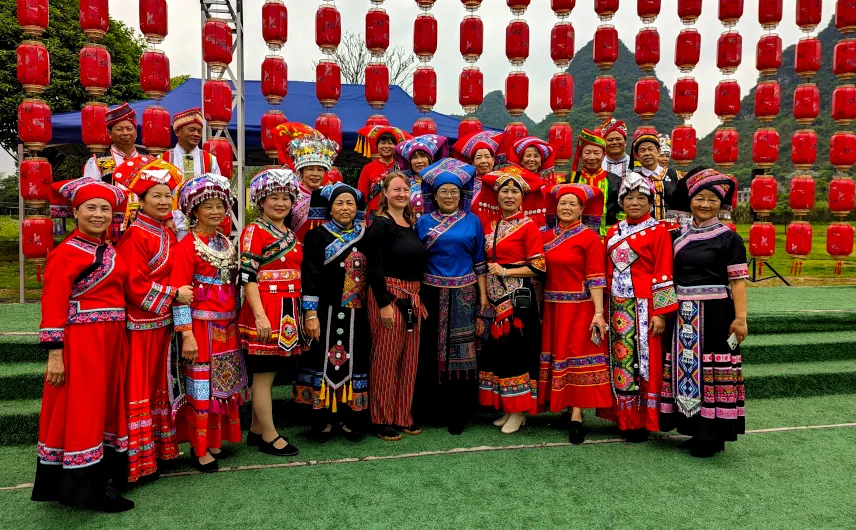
column 453, row 290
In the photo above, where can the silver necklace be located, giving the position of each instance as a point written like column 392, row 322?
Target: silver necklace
column 224, row 261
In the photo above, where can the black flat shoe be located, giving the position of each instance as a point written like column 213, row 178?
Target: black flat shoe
column 412, row 430
column 224, row 453
column 110, row 501
column 210, row 467
column 269, row 449
column 319, row 435
column 636, row 436
column 456, row 429
column 688, row 444
column 352, row 434
column 253, row 439
column 576, row 433
column 386, row 432
column 561, row 423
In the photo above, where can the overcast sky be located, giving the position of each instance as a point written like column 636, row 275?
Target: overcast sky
column 183, row 45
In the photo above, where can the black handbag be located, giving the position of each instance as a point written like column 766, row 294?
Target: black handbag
column 405, row 305
column 521, row 298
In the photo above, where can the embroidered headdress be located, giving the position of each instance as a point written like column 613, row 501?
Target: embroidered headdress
column 313, row 151
column 140, row 173
column 447, row 171
column 465, row 148
column 524, row 180
column 645, row 134
column 78, row 191
column 123, row 112
column 515, row 154
column 636, row 182
column 590, row 198
column 432, row 145
column 199, row 189
column 324, row 197
column 612, row 125
column 698, row 180
column 665, row 144
column 187, row 117
column 585, row 138
column 368, row 137
column 284, row 133
column 274, row 181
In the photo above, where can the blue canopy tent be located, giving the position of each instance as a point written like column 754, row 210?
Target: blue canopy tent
column 300, row 105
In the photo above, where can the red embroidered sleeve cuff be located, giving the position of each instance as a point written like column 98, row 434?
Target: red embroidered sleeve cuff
column 159, row 299
column 52, row 338
column 664, row 298
column 738, row 272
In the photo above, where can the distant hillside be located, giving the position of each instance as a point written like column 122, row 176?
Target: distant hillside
column 492, row 112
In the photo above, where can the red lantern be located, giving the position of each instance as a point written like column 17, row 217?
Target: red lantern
column 157, row 129
column 683, row 144
column 844, row 59
column 270, row 120
column 274, row 24
column 34, row 67
column 804, row 149
column 808, row 14
column 605, row 50
column 689, row 10
column 769, row 13
column 377, row 85
column 472, row 38
column 333, row 175
column 426, row 4
column 687, row 49
column 95, row 70
column 726, row 102
column 217, row 44
column 154, row 20
column 685, row 98
column 469, row 127
column 36, row 238
column 647, row 97
column 328, row 83
column 806, row 103
column 34, row 124
column 274, row 79
column 377, row 119
column 726, row 146
column 839, row 243
column 514, row 131
column 844, row 104
column 764, row 194
column 154, row 74
column 424, row 126
column 517, row 41
column 377, row 31
column 647, row 49
column 562, row 94
column 328, row 28
column 330, row 126
column 516, row 93
column 222, row 151
column 425, row 36
column 36, row 178
column 765, row 147
column 518, row 7
column 729, row 52
column 561, row 137
column 94, row 19
column 471, row 5
column 801, row 198
column 841, row 196
column 807, row 57
column 604, row 96
column 762, row 241
column 471, row 89
column 562, row 44
column 845, row 16
column 842, row 150
column 647, row 10
column 425, row 88
column 730, row 11
column 93, row 126
column 768, row 99
column 562, row 8
column 217, row 103
column 798, row 244
column 605, row 9
column 768, row 55
column 33, row 16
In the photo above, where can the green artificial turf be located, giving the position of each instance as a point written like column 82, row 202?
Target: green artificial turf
column 21, row 380
column 798, row 347
column 800, row 379
column 20, row 317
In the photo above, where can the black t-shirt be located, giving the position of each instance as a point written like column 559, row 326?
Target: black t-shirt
column 393, row 252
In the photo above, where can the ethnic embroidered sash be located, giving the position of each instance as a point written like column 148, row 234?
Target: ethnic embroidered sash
column 289, row 332
column 446, row 222
column 628, row 348
column 456, row 349
column 342, row 240
column 686, row 358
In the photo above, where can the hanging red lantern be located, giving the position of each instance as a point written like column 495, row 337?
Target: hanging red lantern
column 647, row 49
column 33, row 16
column 34, row 67
column 333, row 175
column 562, row 8
column 471, row 5
column 157, row 129
column 518, row 7
column 377, row 119
column 425, row 88
column 801, row 197
column 94, row 19
column 93, row 126
column 844, row 59
column 764, row 194
column 807, row 57
column 605, row 50
column 562, row 94
column 769, row 13
column 471, row 89
column 646, row 97
column 35, row 128
column 730, row 11
column 605, row 9
column 426, row 4
column 217, row 103
column 514, row 131
column 377, row 85
column 844, row 104
column 269, row 122
column 469, row 127
column 328, row 28
column 845, row 16
column 604, row 96
column 328, row 83
column 765, row 147
column 685, row 98
column 274, row 24
column 274, row 79
column 330, row 126
column 729, row 52
column 687, row 49
column 798, row 244
column 762, row 241
column 154, row 74
column 561, row 137
column 768, row 99
column 95, row 70
column 683, row 144
column 472, row 38
column 562, row 44
column 154, row 20
column 768, row 55
column 425, row 36
column 839, row 243
column 424, row 126
column 808, row 14
column 377, row 31
column 36, row 179
column 806, row 103
column 726, row 146
column 726, row 102
column 36, row 238
column 517, row 41
column 842, row 150
column 647, row 10
column 842, row 191
column 222, row 151
column 516, row 93
column 689, row 10
column 217, row 44
column 804, row 149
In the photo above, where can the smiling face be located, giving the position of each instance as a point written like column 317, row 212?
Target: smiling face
column 344, row 209
column 616, row 143
column 448, row 198
column 277, row 206
column 636, row 205
column 648, row 153
column 569, row 208
column 209, row 215
column 397, row 193
column 663, row 160
column 531, row 159
column 156, row 202
column 189, row 136
column 124, row 135
column 483, row 161
column 313, row 177
column 419, row 161
column 705, row 206
column 93, row 217
column 510, row 198
column 592, row 157
column 386, row 148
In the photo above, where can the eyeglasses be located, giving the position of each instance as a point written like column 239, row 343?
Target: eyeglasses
column 449, row 193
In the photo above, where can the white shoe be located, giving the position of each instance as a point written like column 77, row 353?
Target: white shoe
column 514, row 423
column 501, row 421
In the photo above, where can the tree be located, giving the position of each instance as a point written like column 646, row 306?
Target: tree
column 353, row 57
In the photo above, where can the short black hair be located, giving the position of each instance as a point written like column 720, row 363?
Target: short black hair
column 386, row 136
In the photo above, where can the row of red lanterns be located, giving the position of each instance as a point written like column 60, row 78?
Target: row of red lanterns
column 517, row 82
column 328, row 75
column 561, row 135
column 471, row 80
column 425, row 36
column 155, row 76
column 274, row 73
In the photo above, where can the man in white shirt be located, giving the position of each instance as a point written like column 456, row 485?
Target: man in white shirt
column 616, row 160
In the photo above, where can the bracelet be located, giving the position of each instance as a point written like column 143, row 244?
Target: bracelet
column 504, row 272
column 598, row 314
column 307, row 319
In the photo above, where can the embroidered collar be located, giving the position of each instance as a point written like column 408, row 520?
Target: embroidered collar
column 270, row 227
column 512, row 218
column 642, row 219
column 559, row 228
column 342, row 239
column 710, row 223
column 149, row 221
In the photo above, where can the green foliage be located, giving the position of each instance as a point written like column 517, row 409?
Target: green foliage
column 492, row 113
column 177, row 81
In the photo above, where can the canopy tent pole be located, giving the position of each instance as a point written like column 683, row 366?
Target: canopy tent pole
column 21, row 262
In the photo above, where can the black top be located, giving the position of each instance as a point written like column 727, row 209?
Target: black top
column 394, row 252
column 703, row 255
column 343, row 254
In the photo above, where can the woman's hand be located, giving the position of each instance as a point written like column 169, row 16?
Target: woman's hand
column 263, row 328
column 495, row 268
column 739, row 328
column 597, row 320
column 484, row 302
column 185, row 295
column 387, row 316
column 658, row 326
column 55, row 375
column 189, row 348
column 170, row 224
column 312, row 326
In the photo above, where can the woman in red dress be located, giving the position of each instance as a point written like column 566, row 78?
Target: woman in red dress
column 480, row 151
column 574, row 370
column 377, row 140
column 213, row 367
column 82, row 428
column 147, row 247
column 535, row 155
column 271, row 257
column 641, row 296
